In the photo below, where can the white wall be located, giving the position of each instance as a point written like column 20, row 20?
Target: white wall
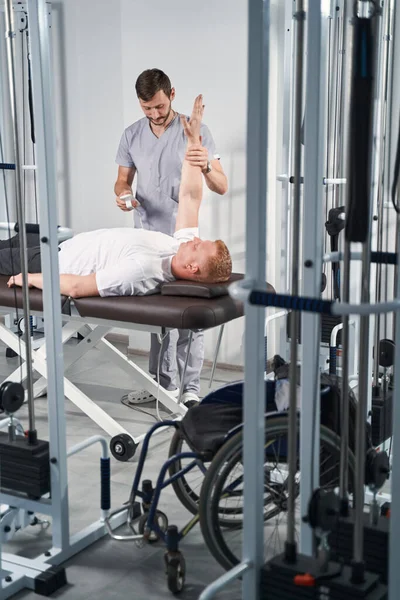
column 100, row 48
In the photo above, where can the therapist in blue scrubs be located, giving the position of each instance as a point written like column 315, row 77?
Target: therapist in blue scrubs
column 153, row 149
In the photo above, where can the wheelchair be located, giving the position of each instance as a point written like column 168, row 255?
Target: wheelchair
column 205, row 469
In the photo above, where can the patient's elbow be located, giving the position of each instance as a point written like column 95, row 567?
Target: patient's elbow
column 74, row 291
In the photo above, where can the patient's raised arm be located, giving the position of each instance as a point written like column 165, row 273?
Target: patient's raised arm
column 191, row 188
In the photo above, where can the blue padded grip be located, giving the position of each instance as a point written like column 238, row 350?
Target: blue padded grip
column 105, row 471
column 332, row 360
column 291, row 302
column 384, row 258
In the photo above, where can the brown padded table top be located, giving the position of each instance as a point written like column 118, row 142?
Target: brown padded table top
column 170, row 311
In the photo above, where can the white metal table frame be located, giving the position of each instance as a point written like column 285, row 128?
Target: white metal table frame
column 97, row 330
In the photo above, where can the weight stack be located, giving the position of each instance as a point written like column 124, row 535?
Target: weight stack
column 24, row 467
column 381, row 418
column 376, row 543
column 278, row 582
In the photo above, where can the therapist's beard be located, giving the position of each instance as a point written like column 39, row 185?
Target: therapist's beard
column 165, row 119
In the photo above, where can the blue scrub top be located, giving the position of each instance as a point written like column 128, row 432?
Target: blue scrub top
column 158, row 163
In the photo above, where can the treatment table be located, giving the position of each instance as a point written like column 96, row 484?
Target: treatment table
column 179, row 305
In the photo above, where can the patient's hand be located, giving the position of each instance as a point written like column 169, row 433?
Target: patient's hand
column 192, row 127
column 17, row 280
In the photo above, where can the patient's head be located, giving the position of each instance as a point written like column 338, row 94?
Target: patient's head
column 202, row 260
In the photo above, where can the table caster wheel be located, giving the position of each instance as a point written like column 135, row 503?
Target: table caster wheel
column 151, row 536
column 122, row 447
column 176, row 571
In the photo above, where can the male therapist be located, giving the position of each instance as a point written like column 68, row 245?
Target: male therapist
column 154, row 148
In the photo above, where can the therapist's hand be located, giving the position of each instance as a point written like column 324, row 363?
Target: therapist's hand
column 197, row 156
column 122, row 203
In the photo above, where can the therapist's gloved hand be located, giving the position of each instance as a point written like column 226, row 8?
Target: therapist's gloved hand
column 197, row 156
column 121, row 203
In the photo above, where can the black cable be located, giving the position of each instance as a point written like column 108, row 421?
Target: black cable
column 396, row 174
column 30, row 91
column 11, row 254
column 316, row 394
column 23, row 119
column 32, row 122
column 125, row 402
column 35, row 186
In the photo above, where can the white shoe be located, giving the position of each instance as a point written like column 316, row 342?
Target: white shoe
column 143, row 396
column 190, row 399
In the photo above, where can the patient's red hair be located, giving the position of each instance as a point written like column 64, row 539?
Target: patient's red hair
column 219, row 266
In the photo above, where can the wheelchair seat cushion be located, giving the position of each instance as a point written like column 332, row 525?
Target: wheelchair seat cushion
column 205, row 426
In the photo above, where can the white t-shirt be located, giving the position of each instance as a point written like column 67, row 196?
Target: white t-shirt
column 127, row 261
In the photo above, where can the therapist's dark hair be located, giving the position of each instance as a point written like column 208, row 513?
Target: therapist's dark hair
column 150, row 82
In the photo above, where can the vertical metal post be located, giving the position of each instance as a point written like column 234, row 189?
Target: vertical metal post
column 331, row 120
column 380, row 145
column 315, row 143
column 47, row 187
column 344, row 404
column 284, row 210
column 3, row 215
column 7, row 179
column 294, row 324
column 340, row 27
column 288, row 105
column 394, row 537
column 10, row 36
column 389, row 41
column 254, row 386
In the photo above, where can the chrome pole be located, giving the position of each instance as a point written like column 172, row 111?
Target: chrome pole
column 294, row 325
column 383, row 85
column 347, row 51
column 10, row 40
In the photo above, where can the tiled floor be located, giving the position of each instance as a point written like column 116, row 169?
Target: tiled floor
column 111, row 570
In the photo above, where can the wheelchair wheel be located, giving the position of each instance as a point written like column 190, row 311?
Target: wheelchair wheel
column 187, row 488
column 221, row 497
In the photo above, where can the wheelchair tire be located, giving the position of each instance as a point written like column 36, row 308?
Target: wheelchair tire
column 187, row 496
column 214, row 527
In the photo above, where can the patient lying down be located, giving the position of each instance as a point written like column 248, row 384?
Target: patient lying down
column 131, row 262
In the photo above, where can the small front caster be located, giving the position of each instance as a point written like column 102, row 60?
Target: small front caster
column 175, row 569
column 151, row 536
column 122, row 447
